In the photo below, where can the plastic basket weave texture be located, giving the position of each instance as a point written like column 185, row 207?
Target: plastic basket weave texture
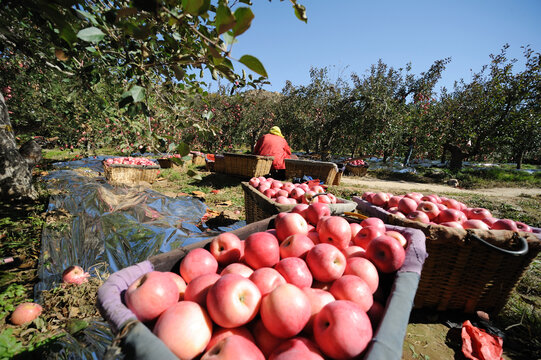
column 324, row 171
column 130, row 174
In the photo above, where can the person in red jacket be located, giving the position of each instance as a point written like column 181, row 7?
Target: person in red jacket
column 274, row 144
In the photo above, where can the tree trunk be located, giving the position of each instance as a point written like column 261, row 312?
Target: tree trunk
column 519, row 157
column 457, row 156
column 15, row 174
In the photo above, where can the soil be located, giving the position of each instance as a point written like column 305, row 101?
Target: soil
column 374, row 184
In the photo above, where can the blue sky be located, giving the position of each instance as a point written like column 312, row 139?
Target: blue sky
column 350, row 35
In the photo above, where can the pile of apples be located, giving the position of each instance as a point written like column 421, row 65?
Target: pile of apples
column 128, row 160
column 358, row 162
column 308, row 289
column 289, row 193
column 168, row 156
column 434, row 209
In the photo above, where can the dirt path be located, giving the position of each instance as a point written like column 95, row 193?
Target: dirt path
column 374, row 184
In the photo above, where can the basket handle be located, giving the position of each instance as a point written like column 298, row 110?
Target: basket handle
column 522, row 251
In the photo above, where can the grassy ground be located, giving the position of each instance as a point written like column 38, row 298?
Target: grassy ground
column 428, row 335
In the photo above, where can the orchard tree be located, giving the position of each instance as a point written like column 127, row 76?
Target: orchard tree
column 146, row 44
column 481, row 115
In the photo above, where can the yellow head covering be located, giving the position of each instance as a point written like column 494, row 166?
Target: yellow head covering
column 275, row 130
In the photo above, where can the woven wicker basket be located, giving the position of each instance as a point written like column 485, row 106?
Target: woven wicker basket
column 324, row 171
column 466, row 270
column 166, row 163
column 244, row 165
column 356, row 170
column 130, row 174
column 259, row 207
column 198, row 159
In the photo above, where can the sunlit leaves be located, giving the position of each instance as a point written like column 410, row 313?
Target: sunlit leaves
column 300, row 12
column 196, row 7
column 225, row 20
column 253, row 64
column 243, row 20
column 91, row 34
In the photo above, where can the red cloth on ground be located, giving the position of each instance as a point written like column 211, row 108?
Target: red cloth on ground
column 273, row 145
column 477, row 344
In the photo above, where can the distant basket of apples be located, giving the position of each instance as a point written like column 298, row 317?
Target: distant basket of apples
column 130, row 170
column 469, row 250
column 293, row 286
column 175, row 161
column 357, row 167
column 264, row 197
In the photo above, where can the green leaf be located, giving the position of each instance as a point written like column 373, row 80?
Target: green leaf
column 91, row 34
column 179, row 72
column 137, row 93
column 229, row 38
column 171, row 147
column 243, row 17
column 125, row 99
column 183, row 149
column 253, row 64
column 196, row 7
column 89, row 16
column 194, row 175
column 300, row 12
column 224, row 19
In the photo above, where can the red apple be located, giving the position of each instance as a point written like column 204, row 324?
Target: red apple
column 355, row 228
column 453, row 224
column 185, row 328
column 335, row 230
column 407, row 205
column 342, row 330
column 295, row 271
column 314, row 236
column 326, row 262
column 181, row 284
column 449, row 215
column 296, row 245
column 478, row 213
column 239, row 269
column 451, row 204
column 354, row 251
column 429, row 208
column 264, row 339
column 151, row 294
column 366, row 235
column 375, row 222
column 316, row 211
column 398, row 236
column 380, row 199
column 221, row 333
column 296, row 348
column 504, row 224
column 197, row 262
column 364, row 269
column 300, row 209
column 386, row 253
column 226, row 248
column 198, row 288
column 353, row 288
column 318, row 298
column 489, row 221
column 394, row 200
column 262, row 249
column 25, row 313
column 267, row 279
column 254, row 182
column 415, row 196
column 475, row 224
column 285, row 311
column 234, row 347
column 233, row 301
column 376, row 313
column 523, row 227
column 366, row 194
column 418, row 216
column 75, row 275
column 289, row 224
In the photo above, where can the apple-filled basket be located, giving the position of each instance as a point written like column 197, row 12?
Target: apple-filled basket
column 182, row 332
column 357, row 167
column 259, row 207
column 130, row 170
column 322, row 170
column 467, row 269
column 243, row 165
